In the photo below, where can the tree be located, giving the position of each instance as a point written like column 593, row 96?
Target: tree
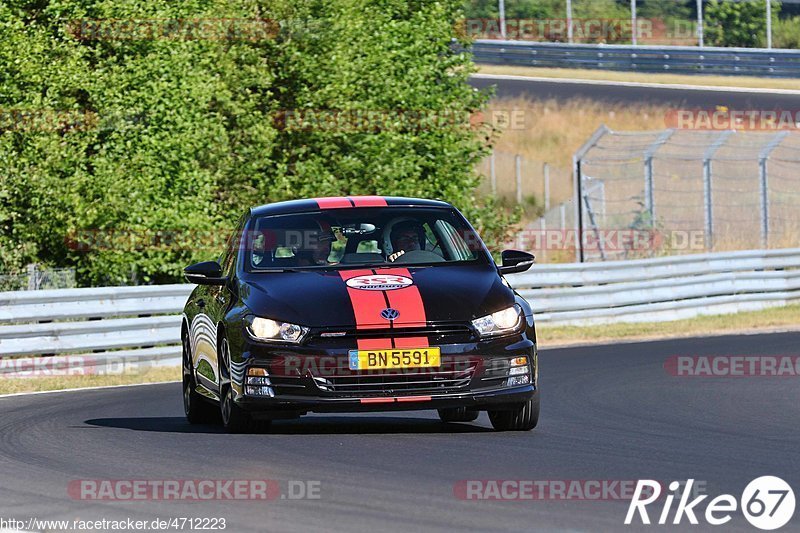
column 742, row 24
column 182, row 132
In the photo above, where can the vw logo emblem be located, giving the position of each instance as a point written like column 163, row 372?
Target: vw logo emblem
column 390, row 314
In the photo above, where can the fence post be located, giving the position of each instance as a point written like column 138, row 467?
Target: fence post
column 569, row 21
column 502, row 8
column 577, row 177
column 707, row 191
column 546, row 172
column 493, row 174
column 33, row 282
column 700, row 23
column 518, row 174
column 649, row 200
column 764, row 184
column 769, row 23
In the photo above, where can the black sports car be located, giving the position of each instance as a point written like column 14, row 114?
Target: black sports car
column 359, row 303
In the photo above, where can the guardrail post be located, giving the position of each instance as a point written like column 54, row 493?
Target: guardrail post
column 649, row 200
column 707, row 190
column 764, row 184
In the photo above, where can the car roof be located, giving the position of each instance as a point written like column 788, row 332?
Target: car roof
column 346, row 202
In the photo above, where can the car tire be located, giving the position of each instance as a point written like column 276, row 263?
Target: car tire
column 196, row 408
column 525, row 417
column 234, row 418
column 457, row 414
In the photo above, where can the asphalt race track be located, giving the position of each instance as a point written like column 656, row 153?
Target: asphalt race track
column 620, row 94
column 609, row 413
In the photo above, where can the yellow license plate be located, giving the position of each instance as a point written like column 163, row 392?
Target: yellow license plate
column 394, row 358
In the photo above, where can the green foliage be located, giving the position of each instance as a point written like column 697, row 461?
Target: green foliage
column 786, row 33
column 179, row 135
column 742, row 24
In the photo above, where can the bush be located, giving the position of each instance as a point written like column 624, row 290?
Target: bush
column 742, row 24
column 786, row 33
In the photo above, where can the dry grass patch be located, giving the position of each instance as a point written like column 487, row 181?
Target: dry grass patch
column 787, row 317
column 641, row 77
column 35, row 384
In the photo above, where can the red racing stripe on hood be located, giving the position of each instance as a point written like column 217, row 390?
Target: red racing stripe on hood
column 375, row 344
column 407, row 300
column 367, row 305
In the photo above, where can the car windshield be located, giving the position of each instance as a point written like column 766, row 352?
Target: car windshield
column 340, row 238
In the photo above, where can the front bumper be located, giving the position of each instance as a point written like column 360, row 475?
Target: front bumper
column 316, row 378
column 292, row 406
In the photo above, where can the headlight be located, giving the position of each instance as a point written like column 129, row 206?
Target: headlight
column 266, row 329
column 498, row 323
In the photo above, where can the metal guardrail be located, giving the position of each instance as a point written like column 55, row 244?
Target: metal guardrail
column 661, row 289
column 677, row 59
column 142, row 324
column 98, row 326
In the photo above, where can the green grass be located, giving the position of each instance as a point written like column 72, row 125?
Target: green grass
column 765, row 320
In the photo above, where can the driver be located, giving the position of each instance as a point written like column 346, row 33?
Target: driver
column 316, row 246
column 406, row 236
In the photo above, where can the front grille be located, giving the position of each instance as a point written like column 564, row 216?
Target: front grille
column 450, row 377
column 437, row 334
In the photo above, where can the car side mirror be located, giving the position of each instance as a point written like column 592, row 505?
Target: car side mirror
column 515, row 261
column 205, row 273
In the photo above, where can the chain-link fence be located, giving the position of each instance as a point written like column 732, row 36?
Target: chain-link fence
column 517, row 180
column 682, row 191
column 36, row 278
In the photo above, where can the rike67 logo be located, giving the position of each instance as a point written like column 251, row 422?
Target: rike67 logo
column 767, row 503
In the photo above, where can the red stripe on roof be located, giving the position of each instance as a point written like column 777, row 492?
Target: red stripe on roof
column 369, row 201
column 333, row 202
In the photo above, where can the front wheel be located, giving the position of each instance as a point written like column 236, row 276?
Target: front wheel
column 197, row 410
column 525, row 417
column 234, row 418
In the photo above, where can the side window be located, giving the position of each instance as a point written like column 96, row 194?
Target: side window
column 228, row 258
column 453, row 241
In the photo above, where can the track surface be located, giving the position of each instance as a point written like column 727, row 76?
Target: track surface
column 609, row 412
column 616, row 94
